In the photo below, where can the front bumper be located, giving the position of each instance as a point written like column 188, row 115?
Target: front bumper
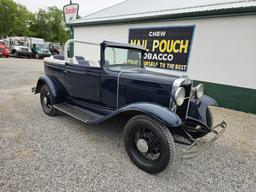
column 43, row 55
column 23, row 53
column 33, row 89
column 203, row 143
column 4, row 54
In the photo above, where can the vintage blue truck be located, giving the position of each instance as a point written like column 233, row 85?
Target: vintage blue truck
column 158, row 107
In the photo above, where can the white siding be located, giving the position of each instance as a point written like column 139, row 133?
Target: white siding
column 223, row 50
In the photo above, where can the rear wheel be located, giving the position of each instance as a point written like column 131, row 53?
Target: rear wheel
column 47, row 101
column 149, row 144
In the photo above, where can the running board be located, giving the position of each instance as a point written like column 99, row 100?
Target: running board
column 78, row 113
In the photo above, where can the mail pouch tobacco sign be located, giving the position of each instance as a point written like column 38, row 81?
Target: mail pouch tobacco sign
column 167, row 47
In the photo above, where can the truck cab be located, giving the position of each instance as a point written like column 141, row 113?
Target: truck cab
column 4, row 50
column 19, row 47
column 38, row 48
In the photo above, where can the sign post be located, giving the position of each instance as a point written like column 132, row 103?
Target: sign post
column 70, row 12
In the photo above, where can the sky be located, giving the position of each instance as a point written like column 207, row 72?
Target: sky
column 86, row 6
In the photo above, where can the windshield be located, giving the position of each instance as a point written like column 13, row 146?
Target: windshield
column 53, row 46
column 40, row 46
column 123, row 57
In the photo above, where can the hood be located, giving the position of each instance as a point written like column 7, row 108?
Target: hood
column 22, row 48
column 19, row 46
column 141, row 85
column 141, row 74
column 45, row 50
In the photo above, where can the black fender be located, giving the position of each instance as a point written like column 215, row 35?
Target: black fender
column 52, row 84
column 197, row 108
column 160, row 113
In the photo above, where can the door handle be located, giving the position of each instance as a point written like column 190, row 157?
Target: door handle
column 66, row 72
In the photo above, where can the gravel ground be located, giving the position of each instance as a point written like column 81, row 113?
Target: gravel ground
column 41, row 153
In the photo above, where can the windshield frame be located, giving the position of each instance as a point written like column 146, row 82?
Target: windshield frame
column 106, row 44
column 38, row 46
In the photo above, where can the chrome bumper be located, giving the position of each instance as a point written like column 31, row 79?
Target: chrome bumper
column 33, row 89
column 201, row 144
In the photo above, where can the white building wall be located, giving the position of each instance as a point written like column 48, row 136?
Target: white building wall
column 223, row 49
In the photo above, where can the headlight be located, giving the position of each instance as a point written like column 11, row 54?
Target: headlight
column 179, row 96
column 199, row 91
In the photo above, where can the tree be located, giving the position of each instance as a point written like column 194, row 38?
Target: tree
column 49, row 25
column 15, row 19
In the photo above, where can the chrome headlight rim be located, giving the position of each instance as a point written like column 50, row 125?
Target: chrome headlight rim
column 199, row 91
column 179, row 96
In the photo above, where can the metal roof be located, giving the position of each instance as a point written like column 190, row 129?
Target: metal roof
column 131, row 10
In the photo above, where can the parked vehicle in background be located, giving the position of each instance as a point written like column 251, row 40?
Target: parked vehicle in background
column 19, row 46
column 38, row 48
column 4, row 50
column 21, row 51
column 28, row 46
column 55, row 49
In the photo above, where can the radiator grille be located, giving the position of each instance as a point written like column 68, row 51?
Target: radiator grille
column 182, row 110
column 24, row 49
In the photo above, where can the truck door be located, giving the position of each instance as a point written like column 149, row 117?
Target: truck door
column 83, row 82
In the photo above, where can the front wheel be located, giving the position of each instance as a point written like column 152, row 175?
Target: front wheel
column 209, row 118
column 149, row 144
column 16, row 54
column 47, row 101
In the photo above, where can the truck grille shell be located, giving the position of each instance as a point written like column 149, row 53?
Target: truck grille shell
column 24, row 49
column 183, row 109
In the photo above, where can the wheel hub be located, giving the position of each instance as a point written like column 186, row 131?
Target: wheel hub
column 45, row 100
column 142, row 145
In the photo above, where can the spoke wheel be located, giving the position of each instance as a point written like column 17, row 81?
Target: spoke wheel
column 149, row 144
column 47, row 101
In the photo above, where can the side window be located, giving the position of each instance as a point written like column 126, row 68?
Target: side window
column 85, row 54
